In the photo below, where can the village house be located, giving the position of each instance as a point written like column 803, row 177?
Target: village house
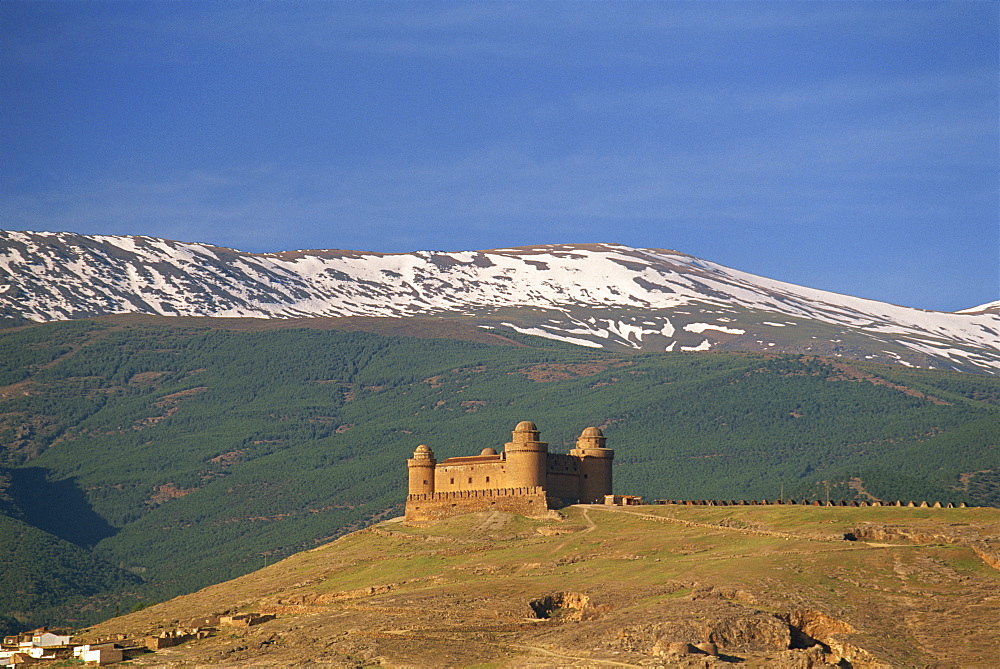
column 99, row 653
column 43, row 646
column 35, row 646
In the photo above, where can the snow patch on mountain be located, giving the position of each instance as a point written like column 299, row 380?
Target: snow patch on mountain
column 540, row 332
column 982, row 308
column 596, row 295
column 699, row 328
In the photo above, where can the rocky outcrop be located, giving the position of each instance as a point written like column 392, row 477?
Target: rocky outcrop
column 749, row 631
column 798, row 639
column 562, row 605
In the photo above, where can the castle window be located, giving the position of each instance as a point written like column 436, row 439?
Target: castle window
column 470, row 479
column 425, row 482
column 487, row 479
column 453, row 481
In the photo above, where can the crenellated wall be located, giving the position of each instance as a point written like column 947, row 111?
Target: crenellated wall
column 525, row 501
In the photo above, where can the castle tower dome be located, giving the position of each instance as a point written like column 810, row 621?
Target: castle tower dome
column 525, row 431
column 591, row 437
column 421, row 470
column 526, row 457
column 423, row 451
column 595, row 465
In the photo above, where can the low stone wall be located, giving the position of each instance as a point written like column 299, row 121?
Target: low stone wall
column 435, row 506
column 165, row 641
column 743, row 502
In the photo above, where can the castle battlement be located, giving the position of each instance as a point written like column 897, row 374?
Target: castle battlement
column 524, row 479
column 474, row 494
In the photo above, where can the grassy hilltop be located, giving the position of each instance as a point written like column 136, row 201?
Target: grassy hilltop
column 177, row 453
column 599, row 586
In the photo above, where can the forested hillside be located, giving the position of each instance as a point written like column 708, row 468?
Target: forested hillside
column 186, row 453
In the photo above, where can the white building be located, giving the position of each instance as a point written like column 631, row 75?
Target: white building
column 99, row 654
column 48, row 639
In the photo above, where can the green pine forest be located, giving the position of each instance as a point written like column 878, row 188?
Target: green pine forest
column 147, row 458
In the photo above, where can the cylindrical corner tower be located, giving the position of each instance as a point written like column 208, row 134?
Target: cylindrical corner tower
column 526, row 457
column 595, row 466
column 421, row 467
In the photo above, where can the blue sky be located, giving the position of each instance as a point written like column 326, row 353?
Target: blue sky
column 848, row 146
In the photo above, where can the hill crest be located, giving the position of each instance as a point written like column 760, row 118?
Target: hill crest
column 594, row 586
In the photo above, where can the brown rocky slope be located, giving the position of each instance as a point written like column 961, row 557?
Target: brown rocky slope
column 778, row 586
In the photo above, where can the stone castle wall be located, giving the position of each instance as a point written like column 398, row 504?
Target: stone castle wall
column 528, row 501
column 463, row 474
column 525, row 479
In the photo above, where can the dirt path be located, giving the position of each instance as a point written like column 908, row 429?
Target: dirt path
column 494, row 521
column 837, row 546
column 691, row 523
column 587, row 661
column 757, row 554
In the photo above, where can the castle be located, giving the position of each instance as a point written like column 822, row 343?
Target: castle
column 525, row 479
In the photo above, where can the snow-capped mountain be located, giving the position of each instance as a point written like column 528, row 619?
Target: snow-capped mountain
column 595, row 295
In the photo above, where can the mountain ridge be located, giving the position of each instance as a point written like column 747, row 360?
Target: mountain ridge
column 595, row 295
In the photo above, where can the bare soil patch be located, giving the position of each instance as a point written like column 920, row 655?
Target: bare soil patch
column 561, row 372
